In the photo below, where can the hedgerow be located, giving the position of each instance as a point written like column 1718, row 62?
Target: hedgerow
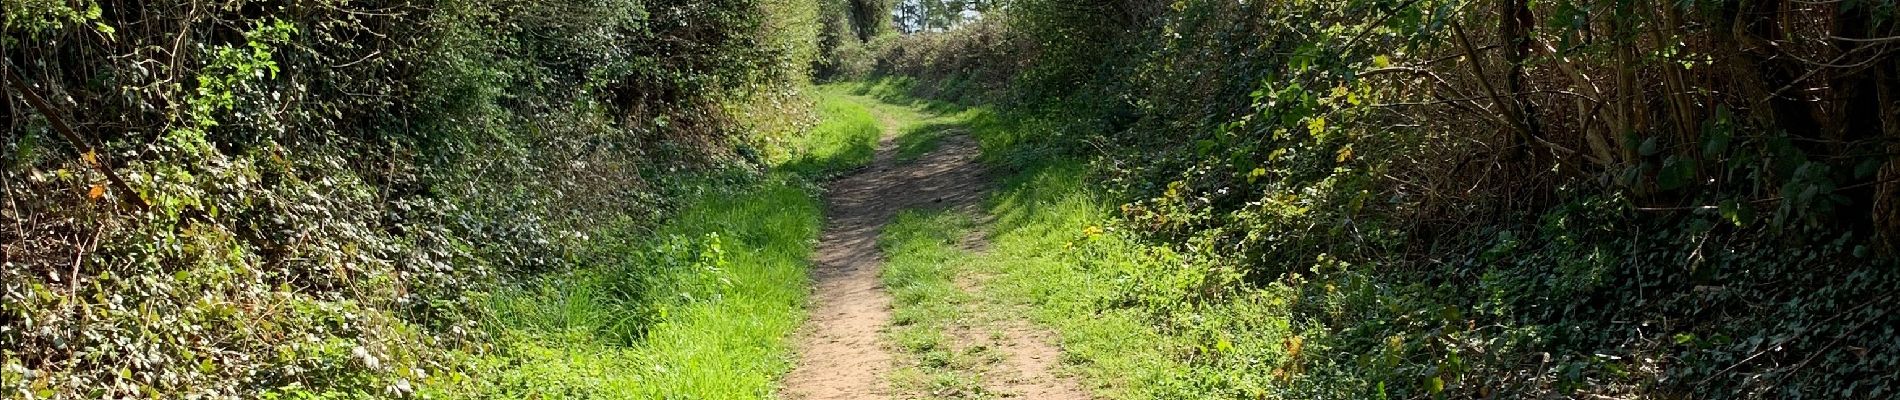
column 249, row 199
column 1485, row 199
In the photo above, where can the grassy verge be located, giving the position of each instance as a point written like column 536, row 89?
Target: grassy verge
column 700, row 307
column 921, row 125
column 1169, row 317
column 1049, row 256
column 846, row 136
column 1048, row 252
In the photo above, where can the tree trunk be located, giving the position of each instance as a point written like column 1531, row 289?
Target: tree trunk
column 1514, row 23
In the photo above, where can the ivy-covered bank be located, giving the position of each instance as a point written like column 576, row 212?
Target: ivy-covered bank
column 349, row 199
column 1449, row 198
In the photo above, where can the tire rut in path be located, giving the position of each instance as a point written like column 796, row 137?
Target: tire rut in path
column 841, row 349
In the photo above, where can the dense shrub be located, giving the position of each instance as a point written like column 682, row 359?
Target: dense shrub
column 850, row 36
column 976, row 62
column 251, row 198
column 1497, row 198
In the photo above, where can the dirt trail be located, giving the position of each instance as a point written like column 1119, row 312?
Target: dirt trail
column 1028, row 354
column 842, row 354
column 842, row 351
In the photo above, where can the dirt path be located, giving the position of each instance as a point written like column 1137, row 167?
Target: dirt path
column 842, row 354
column 843, row 351
column 1028, row 356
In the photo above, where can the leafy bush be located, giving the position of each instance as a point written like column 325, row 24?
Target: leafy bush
column 1483, row 199
column 852, row 33
column 978, row 61
column 311, row 199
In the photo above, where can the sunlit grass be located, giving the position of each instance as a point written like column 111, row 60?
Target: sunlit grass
column 711, row 325
column 1039, row 239
column 846, row 136
column 700, row 307
column 1041, row 259
column 920, row 125
column 923, row 262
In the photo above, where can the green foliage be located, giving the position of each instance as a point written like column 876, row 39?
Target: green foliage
column 1467, row 199
column 975, row 63
column 1550, row 307
column 919, row 16
column 1113, row 341
column 846, row 136
column 699, row 308
column 36, row 17
column 230, row 71
column 1016, row 140
column 336, row 187
column 851, row 33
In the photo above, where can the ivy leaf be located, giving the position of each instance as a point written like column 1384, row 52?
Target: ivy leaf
column 1717, row 133
column 1868, row 168
column 1676, row 173
column 1735, row 212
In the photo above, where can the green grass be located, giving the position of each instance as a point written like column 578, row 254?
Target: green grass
column 1043, row 256
column 921, row 125
column 851, row 124
column 700, row 309
column 1036, row 261
column 925, row 135
column 922, row 253
column 1131, row 321
column 846, row 137
column 1042, row 259
column 732, row 342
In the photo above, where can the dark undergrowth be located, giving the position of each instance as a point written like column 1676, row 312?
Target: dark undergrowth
column 380, row 199
column 1278, row 242
column 1451, row 199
